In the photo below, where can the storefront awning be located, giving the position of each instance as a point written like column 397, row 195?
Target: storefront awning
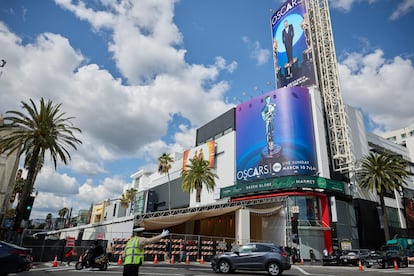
column 168, row 221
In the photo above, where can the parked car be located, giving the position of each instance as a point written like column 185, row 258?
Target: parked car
column 353, row 257
column 372, row 259
column 14, row 259
column 253, row 256
column 389, row 258
column 332, row 259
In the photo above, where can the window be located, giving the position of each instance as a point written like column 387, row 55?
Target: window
column 309, row 210
column 114, row 211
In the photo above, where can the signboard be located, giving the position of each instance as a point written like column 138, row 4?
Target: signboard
column 292, row 46
column 283, row 183
column 205, row 151
column 70, row 241
column 275, row 136
column 294, row 209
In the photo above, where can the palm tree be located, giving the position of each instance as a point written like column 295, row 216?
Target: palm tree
column 124, row 201
column 128, row 197
column 164, row 165
column 382, row 173
column 197, row 173
column 44, row 129
column 62, row 212
column 48, row 221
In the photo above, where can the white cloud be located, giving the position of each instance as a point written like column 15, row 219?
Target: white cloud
column 110, row 188
column 380, row 87
column 402, row 9
column 49, row 181
column 346, row 5
column 259, row 54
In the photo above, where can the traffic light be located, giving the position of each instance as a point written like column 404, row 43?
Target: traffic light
column 28, row 207
column 294, row 223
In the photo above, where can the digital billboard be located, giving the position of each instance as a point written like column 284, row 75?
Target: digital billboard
column 205, row 151
column 292, row 46
column 275, row 136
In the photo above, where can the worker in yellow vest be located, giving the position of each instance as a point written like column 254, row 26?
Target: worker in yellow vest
column 133, row 254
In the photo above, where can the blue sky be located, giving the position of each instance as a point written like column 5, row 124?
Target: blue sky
column 141, row 76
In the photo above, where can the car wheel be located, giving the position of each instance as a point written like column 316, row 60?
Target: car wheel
column 274, row 269
column 224, row 266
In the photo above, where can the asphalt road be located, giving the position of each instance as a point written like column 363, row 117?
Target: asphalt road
column 196, row 269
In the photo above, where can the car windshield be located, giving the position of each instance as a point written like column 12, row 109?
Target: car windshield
column 351, row 252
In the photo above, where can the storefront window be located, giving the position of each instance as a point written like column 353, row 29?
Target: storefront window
column 309, row 210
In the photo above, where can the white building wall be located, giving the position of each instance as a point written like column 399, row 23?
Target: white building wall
column 224, row 168
column 399, row 136
column 320, row 133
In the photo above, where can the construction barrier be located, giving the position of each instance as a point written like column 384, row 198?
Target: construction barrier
column 120, row 260
column 55, row 262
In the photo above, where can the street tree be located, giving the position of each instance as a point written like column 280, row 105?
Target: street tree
column 197, row 174
column 33, row 133
column 382, row 173
column 165, row 162
column 128, row 197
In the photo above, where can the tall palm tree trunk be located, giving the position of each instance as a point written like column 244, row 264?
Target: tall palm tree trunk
column 27, row 189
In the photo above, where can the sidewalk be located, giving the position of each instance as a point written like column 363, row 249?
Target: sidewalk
column 147, row 263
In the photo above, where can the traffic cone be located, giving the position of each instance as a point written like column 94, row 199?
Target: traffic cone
column 172, row 259
column 55, row 262
column 120, row 260
column 202, row 259
column 302, row 261
column 155, row 259
column 187, row 260
column 360, row 268
column 395, row 265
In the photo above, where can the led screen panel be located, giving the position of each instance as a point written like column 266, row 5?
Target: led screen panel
column 205, row 151
column 275, row 136
column 292, row 45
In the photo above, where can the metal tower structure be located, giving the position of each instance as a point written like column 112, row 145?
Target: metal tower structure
column 329, row 85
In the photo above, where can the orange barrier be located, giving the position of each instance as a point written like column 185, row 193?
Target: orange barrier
column 395, row 265
column 120, row 260
column 187, row 260
column 360, row 268
column 55, row 262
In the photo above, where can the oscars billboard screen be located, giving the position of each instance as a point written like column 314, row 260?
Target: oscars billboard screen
column 275, row 136
column 292, row 46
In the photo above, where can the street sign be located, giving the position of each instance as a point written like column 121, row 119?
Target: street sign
column 294, row 209
column 70, row 241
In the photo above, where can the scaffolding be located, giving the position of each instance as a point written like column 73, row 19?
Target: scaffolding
column 244, row 203
column 329, row 84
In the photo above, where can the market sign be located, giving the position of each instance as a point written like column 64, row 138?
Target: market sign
column 283, row 183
